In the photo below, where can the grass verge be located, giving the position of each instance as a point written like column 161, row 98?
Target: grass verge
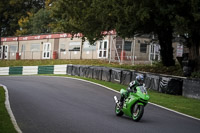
column 6, row 125
column 181, row 104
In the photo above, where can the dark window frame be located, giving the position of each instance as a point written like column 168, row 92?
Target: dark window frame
column 143, row 48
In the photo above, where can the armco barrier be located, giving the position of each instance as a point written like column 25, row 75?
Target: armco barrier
column 106, row 74
column 60, row 69
column 97, row 73
column 45, row 69
column 191, row 88
column 126, row 77
column 30, row 70
column 84, row 70
column 69, row 69
column 116, row 75
column 75, row 70
column 4, row 70
column 90, row 71
column 171, row 85
column 15, row 70
column 152, row 81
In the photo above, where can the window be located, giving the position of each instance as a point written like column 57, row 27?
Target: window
column 127, row 45
column 46, row 50
column 74, row 46
column 103, row 49
column 88, row 47
column 143, row 48
column 62, row 47
column 35, row 47
column 13, row 48
column 105, row 45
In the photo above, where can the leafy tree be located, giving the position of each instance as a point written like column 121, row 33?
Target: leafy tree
column 143, row 16
column 36, row 23
column 80, row 16
column 3, row 17
column 24, row 24
column 128, row 17
column 187, row 25
column 13, row 10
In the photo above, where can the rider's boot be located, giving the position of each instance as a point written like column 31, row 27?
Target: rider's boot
column 121, row 101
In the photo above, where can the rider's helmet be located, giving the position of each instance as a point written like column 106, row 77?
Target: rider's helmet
column 140, row 79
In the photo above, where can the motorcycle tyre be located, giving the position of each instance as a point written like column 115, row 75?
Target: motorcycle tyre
column 139, row 114
column 118, row 111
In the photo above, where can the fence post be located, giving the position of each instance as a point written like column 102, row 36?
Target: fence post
column 92, row 53
column 32, row 54
column 133, row 57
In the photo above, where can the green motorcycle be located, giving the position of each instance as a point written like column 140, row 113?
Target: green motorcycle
column 134, row 103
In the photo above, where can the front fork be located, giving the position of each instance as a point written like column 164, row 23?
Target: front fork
column 116, row 100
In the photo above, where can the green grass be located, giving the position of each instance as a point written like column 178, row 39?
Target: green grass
column 155, row 68
column 6, row 125
column 181, row 104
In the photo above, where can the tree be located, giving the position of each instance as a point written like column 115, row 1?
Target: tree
column 80, row 16
column 13, row 10
column 187, row 25
column 143, row 16
column 37, row 23
column 3, row 18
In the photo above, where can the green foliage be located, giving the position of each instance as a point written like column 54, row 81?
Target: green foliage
column 12, row 10
column 40, row 22
column 196, row 74
column 80, row 17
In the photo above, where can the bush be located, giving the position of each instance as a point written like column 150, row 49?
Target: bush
column 195, row 74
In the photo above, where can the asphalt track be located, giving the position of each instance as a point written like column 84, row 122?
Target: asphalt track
column 63, row 105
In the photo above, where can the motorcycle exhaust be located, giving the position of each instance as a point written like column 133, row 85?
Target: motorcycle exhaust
column 115, row 98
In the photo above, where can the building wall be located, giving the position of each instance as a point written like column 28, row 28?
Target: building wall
column 12, row 49
column 138, row 48
column 68, row 48
column 29, row 52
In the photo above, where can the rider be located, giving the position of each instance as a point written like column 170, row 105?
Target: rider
column 132, row 87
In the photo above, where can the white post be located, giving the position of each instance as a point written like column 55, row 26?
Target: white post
column 133, row 57
column 122, row 52
column 110, row 42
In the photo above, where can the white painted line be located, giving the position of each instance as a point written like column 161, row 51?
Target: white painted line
column 119, row 92
column 7, row 104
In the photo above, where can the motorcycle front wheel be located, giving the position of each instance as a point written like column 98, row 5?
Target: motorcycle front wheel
column 137, row 112
column 118, row 110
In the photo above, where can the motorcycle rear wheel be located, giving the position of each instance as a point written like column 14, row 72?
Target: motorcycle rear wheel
column 118, row 110
column 137, row 112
